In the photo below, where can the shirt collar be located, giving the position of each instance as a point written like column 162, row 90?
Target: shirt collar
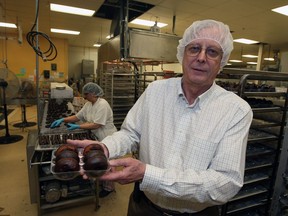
column 201, row 98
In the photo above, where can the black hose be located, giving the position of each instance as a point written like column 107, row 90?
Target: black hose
column 32, row 38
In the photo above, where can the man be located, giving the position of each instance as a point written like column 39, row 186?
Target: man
column 190, row 133
column 96, row 115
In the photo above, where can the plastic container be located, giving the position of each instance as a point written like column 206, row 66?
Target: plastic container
column 65, row 176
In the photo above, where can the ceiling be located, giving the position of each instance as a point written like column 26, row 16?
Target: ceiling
column 248, row 19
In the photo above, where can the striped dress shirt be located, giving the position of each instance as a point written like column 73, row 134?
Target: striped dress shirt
column 195, row 154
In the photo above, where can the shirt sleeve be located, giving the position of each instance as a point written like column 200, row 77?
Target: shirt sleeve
column 127, row 139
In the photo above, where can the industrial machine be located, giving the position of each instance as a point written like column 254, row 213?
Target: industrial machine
column 48, row 191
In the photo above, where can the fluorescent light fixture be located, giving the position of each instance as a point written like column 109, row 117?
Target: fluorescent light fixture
column 71, row 10
column 234, row 60
column 148, row 23
column 7, row 25
column 250, row 56
column 63, row 31
column 97, row 45
column 269, row 59
column 245, row 41
column 282, row 10
column 254, row 63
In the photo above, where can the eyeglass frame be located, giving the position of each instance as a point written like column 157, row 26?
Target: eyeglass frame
column 209, row 48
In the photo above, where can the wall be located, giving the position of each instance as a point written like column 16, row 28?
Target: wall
column 21, row 59
column 76, row 55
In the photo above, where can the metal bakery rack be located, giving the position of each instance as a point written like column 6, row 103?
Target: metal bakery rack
column 265, row 140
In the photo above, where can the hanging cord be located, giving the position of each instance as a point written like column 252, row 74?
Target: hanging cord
column 31, row 37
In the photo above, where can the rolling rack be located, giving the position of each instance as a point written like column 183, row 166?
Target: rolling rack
column 279, row 205
column 120, row 84
column 265, row 141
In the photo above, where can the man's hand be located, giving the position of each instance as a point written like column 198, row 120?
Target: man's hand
column 132, row 170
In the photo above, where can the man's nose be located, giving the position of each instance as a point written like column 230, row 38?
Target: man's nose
column 202, row 54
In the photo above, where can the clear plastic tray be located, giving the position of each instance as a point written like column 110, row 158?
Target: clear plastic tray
column 71, row 175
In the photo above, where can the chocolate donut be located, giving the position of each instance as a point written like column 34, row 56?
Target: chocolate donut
column 66, row 165
column 67, row 154
column 92, row 147
column 93, row 153
column 98, row 162
column 66, row 147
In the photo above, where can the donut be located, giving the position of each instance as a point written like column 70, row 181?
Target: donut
column 97, row 162
column 67, row 154
column 92, row 147
column 66, row 165
column 66, row 147
column 92, row 153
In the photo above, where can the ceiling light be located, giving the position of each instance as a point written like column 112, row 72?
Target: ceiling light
column 63, row 31
column 147, row 23
column 71, row 10
column 97, row 44
column 245, row 41
column 254, row 63
column 7, row 25
column 269, row 59
column 282, row 10
column 250, row 56
column 232, row 60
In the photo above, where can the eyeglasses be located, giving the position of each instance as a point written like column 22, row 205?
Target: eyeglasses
column 212, row 53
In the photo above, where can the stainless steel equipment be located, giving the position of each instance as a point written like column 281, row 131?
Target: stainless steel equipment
column 47, row 191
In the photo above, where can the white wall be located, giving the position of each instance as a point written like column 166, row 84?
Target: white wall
column 75, row 57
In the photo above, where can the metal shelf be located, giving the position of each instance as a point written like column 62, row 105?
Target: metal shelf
column 250, row 192
column 264, row 141
column 279, row 199
column 120, row 85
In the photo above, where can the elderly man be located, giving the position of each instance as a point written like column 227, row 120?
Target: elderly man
column 190, row 133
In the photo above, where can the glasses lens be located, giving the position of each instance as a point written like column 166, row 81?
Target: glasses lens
column 193, row 50
column 210, row 52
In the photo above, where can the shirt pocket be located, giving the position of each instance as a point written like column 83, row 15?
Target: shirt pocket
column 200, row 152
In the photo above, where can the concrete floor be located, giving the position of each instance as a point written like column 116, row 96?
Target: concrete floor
column 14, row 186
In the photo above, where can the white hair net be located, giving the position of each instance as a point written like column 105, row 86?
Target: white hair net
column 218, row 32
column 92, row 88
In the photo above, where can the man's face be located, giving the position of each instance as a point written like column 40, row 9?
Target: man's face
column 201, row 62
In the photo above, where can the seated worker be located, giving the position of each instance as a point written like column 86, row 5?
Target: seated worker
column 97, row 116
